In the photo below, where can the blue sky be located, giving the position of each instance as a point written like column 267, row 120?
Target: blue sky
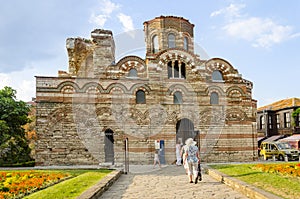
column 260, row 38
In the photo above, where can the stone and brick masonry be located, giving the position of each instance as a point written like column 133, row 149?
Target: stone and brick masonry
column 84, row 115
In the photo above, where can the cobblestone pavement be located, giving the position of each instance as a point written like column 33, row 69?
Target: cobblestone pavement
column 167, row 182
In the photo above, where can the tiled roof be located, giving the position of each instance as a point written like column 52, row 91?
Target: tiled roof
column 291, row 102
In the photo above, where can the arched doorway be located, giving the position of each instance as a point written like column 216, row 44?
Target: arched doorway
column 185, row 130
column 109, row 146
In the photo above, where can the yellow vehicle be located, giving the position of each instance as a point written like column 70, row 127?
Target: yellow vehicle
column 279, row 150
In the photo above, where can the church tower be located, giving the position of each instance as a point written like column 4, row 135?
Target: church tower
column 165, row 32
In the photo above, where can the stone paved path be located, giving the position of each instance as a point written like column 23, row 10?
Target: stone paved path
column 167, row 182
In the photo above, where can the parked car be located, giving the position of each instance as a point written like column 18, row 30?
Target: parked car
column 278, row 150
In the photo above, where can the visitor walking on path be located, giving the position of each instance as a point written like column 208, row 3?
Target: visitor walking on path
column 178, row 154
column 156, row 159
column 191, row 158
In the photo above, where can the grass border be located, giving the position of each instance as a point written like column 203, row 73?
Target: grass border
column 277, row 184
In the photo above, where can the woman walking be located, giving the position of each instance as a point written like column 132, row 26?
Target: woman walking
column 191, row 158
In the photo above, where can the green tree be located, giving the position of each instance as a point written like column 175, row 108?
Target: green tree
column 295, row 114
column 13, row 115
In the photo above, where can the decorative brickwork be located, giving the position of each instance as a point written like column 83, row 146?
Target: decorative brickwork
column 84, row 115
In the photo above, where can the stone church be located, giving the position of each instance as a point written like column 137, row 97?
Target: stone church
column 87, row 115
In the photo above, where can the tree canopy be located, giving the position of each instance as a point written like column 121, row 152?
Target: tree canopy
column 296, row 112
column 13, row 115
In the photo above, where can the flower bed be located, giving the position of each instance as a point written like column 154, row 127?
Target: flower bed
column 289, row 169
column 17, row 184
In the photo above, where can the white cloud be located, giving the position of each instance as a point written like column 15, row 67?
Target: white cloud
column 26, row 90
column 233, row 10
column 126, row 22
column 98, row 20
column 106, row 9
column 5, row 80
column 295, row 35
column 260, row 32
column 21, row 81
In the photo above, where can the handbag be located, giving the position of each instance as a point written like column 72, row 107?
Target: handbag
column 199, row 177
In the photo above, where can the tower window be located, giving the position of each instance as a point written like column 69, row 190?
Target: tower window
column 186, row 43
column 171, row 40
column 177, row 98
column 132, row 73
column 140, row 97
column 155, row 44
column 214, row 98
column 176, row 69
column 217, row 76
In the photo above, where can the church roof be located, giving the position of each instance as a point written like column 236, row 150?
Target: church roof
column 281, row 104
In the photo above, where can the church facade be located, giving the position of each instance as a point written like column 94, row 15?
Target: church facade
column 85, row 115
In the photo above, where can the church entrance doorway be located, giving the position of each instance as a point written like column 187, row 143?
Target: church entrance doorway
column 185, row 130
column 109, row 146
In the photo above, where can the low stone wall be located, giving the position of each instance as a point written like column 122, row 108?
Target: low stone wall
column 97, row 190
column 246, row 189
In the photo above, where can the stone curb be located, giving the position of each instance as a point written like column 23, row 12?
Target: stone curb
column 242, row 187
column 97, row 190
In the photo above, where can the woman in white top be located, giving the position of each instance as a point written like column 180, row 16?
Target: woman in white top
column 191, row 158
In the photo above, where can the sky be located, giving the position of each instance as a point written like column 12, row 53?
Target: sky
column 260, row 38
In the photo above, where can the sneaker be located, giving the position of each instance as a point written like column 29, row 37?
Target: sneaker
column 196, row 180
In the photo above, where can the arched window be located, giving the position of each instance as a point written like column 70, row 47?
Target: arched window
column 155, row 44
column 132, row 73
column 262, row 122
column 214, row 98
column 170, row 70
column 176, row 69
column 217, row 76
column 140, row 97
column 171, row 40
column 186, row 43
column 182, row 70
column 177, row 98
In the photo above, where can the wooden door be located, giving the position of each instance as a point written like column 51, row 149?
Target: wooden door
column 109, row 146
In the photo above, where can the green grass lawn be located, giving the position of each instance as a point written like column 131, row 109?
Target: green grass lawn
column 285, row 186
column 73, row 187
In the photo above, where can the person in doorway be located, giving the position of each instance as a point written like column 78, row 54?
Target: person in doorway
column 178, row 154
column 191, row 158
column 156, row 159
